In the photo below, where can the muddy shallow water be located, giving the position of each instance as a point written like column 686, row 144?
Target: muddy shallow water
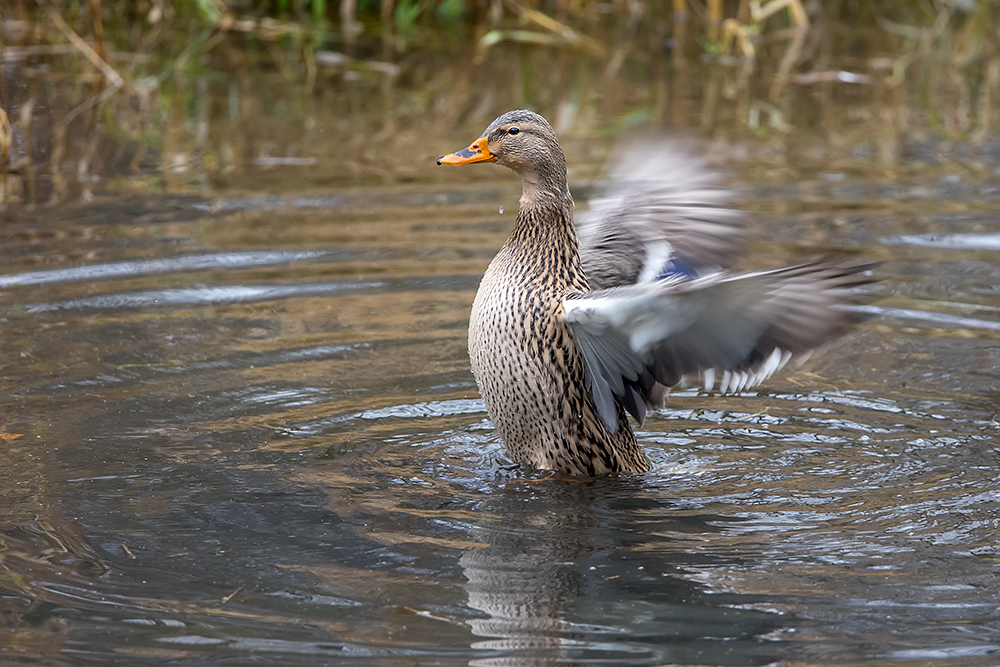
column 238, row 424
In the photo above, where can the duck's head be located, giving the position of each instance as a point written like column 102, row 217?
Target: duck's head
column 523, row 141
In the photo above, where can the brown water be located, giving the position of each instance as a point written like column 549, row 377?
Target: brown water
column 238, row 424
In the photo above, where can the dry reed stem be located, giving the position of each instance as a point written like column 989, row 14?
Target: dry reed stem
column 107, row 70
column 6, row 136
column 95, row 16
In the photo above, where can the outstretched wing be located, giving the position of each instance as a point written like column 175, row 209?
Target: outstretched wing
column 744, row 327
column 660, row 210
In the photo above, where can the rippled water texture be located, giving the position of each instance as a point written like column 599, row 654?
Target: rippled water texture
column 237, row 426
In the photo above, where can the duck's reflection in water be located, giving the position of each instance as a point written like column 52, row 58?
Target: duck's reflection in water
column 603, row 572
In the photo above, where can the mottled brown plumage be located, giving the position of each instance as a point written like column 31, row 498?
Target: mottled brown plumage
column 529, row 370
column 559, row 366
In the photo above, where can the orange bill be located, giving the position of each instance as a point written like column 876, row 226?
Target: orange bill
column 477, row 152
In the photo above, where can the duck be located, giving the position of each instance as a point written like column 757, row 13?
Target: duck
column 578, row 324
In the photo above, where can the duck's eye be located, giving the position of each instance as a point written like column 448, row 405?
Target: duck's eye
column 513, row 130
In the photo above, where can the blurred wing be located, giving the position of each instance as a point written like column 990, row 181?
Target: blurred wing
column 744, row 327
column 659, row 211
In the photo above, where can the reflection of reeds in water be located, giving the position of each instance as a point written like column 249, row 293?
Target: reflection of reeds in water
column 101, row 97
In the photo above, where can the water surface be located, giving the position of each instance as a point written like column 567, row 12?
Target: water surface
column 238, row 424
column 247, row 428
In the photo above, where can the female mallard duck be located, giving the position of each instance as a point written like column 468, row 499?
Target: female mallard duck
column 572, row 327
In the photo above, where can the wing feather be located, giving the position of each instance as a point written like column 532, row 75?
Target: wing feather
column 740, row 330
column 659, row 202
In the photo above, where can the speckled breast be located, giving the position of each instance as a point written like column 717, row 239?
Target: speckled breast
column 531, row 375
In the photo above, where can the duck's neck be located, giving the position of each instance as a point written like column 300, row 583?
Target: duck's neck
column 544, row 240
column 546, row 207
column 545, row 215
